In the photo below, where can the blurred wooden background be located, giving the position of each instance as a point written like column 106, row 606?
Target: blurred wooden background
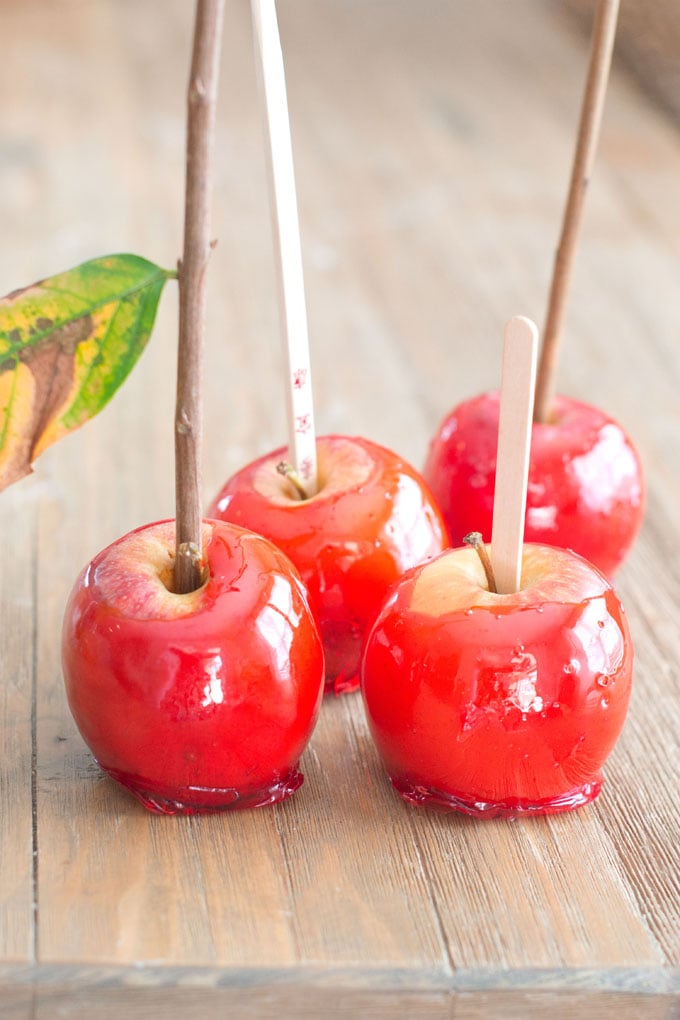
column 648, row 44
column 433, row 143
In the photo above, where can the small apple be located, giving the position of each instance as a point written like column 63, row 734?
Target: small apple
column 498, row 704
column 586, row 489
column 372, row 518
column 197, row 702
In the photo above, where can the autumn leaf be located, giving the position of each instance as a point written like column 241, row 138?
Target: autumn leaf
column 66, row 345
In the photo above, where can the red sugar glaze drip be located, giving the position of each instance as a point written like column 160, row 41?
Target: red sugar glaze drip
column 441, row 801
column 191, row 800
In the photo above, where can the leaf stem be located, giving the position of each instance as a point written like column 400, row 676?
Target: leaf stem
column 201, row 103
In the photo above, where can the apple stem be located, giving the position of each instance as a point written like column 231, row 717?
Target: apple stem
column 604, row 30
column 201, row 104
column 286, row 234
column 289, row 472
column 474, row 539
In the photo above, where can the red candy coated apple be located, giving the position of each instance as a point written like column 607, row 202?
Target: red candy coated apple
column 194, row 702
column 372, row 518
column 498, row 704
column 586, row 489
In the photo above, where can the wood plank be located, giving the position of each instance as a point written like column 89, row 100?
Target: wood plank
column 346, row 838
column 642, row 817
column 566, row 1005
column 100, row 997
column 527, row 908
column 17, row 601
column 269, row 1003
column 55, row 994
column 419, row 241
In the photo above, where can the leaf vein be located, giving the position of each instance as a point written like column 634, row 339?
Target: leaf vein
column 14, row 347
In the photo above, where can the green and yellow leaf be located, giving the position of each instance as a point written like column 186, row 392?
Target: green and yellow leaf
column 66, row 345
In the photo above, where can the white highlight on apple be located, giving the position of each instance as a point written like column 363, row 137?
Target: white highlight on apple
column 212, row 692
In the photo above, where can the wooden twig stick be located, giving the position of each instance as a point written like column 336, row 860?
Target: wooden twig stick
column 602, row 45
column 286, row 231
column 520, row 344
column 201, row 104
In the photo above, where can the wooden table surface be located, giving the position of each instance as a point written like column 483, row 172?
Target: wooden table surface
column 433, row 143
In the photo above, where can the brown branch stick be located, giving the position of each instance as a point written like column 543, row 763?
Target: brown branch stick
column 592, row 106
column 201, row 104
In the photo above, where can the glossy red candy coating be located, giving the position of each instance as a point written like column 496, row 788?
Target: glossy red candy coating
column 586, row 489
column 505, row 706
column 372, row 519
column 195, row 702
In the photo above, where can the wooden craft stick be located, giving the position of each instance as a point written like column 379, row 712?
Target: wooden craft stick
column 520, row 344
column 286, row 231
column 592, row 106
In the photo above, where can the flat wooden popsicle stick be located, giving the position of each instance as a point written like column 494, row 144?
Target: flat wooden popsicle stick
column 286, row 232
column 592, row 106
column 520, row 345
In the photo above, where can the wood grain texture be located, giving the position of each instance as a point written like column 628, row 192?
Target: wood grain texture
column 17, row 621
column 427, row 220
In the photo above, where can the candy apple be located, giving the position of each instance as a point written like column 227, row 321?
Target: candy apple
column 372, row 518
column 585, row 492
column 498, row 704
column 195, row 702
